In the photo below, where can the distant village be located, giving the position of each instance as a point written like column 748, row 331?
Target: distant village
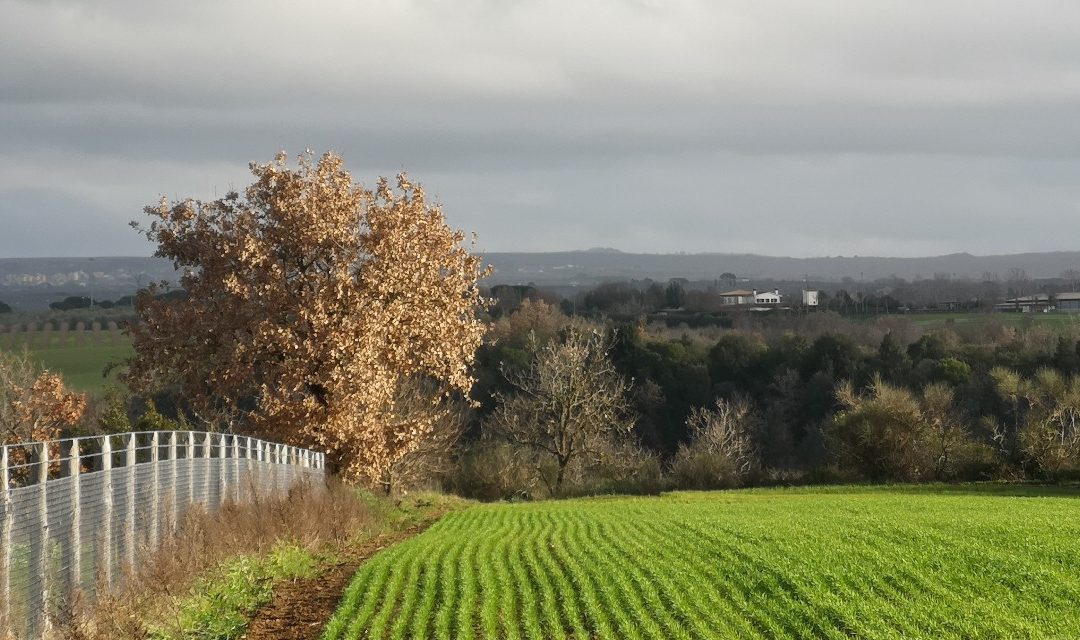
column 37, row 284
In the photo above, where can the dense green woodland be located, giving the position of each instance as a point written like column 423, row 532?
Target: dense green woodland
column 833, row 398
column 821, row 397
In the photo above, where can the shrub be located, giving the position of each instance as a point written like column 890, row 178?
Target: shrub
column 890, row 433
column 493, row 470
column 1046, row 411
column 621, row 466
column 720, row 453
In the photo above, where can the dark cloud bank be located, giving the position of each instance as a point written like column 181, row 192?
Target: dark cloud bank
column 784, row 128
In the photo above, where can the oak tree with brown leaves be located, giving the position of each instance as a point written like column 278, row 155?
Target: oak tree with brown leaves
column 310, row 302
column 35, row 406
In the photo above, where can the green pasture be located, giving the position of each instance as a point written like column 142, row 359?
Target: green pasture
column 81, row 359
column 1007, row 319
column 916, row 562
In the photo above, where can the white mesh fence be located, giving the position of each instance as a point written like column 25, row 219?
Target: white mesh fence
column 74, row 512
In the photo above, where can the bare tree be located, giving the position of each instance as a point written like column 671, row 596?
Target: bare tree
column 431, row 456
column 721, row 449
column 1072, row 277
column 570, row 403
column 1018, row 281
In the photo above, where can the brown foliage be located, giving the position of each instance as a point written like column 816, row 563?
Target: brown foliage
column 309, row 300
column 535, row 318
column 893, row 433
column 34, row 406
column 1046, row 408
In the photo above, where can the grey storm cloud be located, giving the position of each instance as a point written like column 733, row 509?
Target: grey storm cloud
column 794, row 128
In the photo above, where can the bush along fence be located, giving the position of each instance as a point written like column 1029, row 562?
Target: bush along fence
column 74, row 512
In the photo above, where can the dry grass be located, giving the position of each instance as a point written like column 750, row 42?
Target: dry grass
column 316, row 518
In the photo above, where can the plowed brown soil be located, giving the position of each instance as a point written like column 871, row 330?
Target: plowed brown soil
column 301, row 608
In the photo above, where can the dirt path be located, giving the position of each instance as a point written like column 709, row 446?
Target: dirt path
column 300, row 609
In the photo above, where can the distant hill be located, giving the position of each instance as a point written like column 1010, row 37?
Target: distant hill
column 591, row 265
column 31, row 283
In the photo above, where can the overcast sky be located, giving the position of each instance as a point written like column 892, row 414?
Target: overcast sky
column 796, row 128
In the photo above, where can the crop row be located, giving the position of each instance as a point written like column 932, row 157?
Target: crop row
column 754, row 564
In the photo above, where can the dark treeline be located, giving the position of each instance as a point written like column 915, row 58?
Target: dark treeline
column 813, row 397
column 587, row 402
column 847, row 296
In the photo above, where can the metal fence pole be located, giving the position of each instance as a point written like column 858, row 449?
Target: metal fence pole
column 236, row 468
column 260, row 467
column 223, row 481
column 38, row 596
column 106, row 526
column 74, row 550
column 189, row 460
column 155, row 491
column 277, row 469
column 129, row 508
column 206, row 451
column 5, row 540
column 248, row 473
column 174, row 475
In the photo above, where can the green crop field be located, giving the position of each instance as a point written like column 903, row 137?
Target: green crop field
column 967, row 562
column 82, row 367
column 1007, row 319
column 79, row 356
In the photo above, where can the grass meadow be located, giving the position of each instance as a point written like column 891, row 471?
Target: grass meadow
column 915, row 562
column 80, row 355
column 938, row 320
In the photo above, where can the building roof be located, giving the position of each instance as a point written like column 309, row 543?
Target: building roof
column 737, row 292
column 1072, row 295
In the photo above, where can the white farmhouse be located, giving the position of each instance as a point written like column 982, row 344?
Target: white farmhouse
column 768, row 297
column 737, row 297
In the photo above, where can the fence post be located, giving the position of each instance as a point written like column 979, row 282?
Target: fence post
column 5, row 540
column 206, row 451
column 248, row 468
column 223, row 481
column 174, row 475
column 106, row 524
column 75, row 540
column 277, row 469
column 155, row 491
column 236, row 468
column 189, row 458
column 260, row 468
column 129, row 510
column 38, row 597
